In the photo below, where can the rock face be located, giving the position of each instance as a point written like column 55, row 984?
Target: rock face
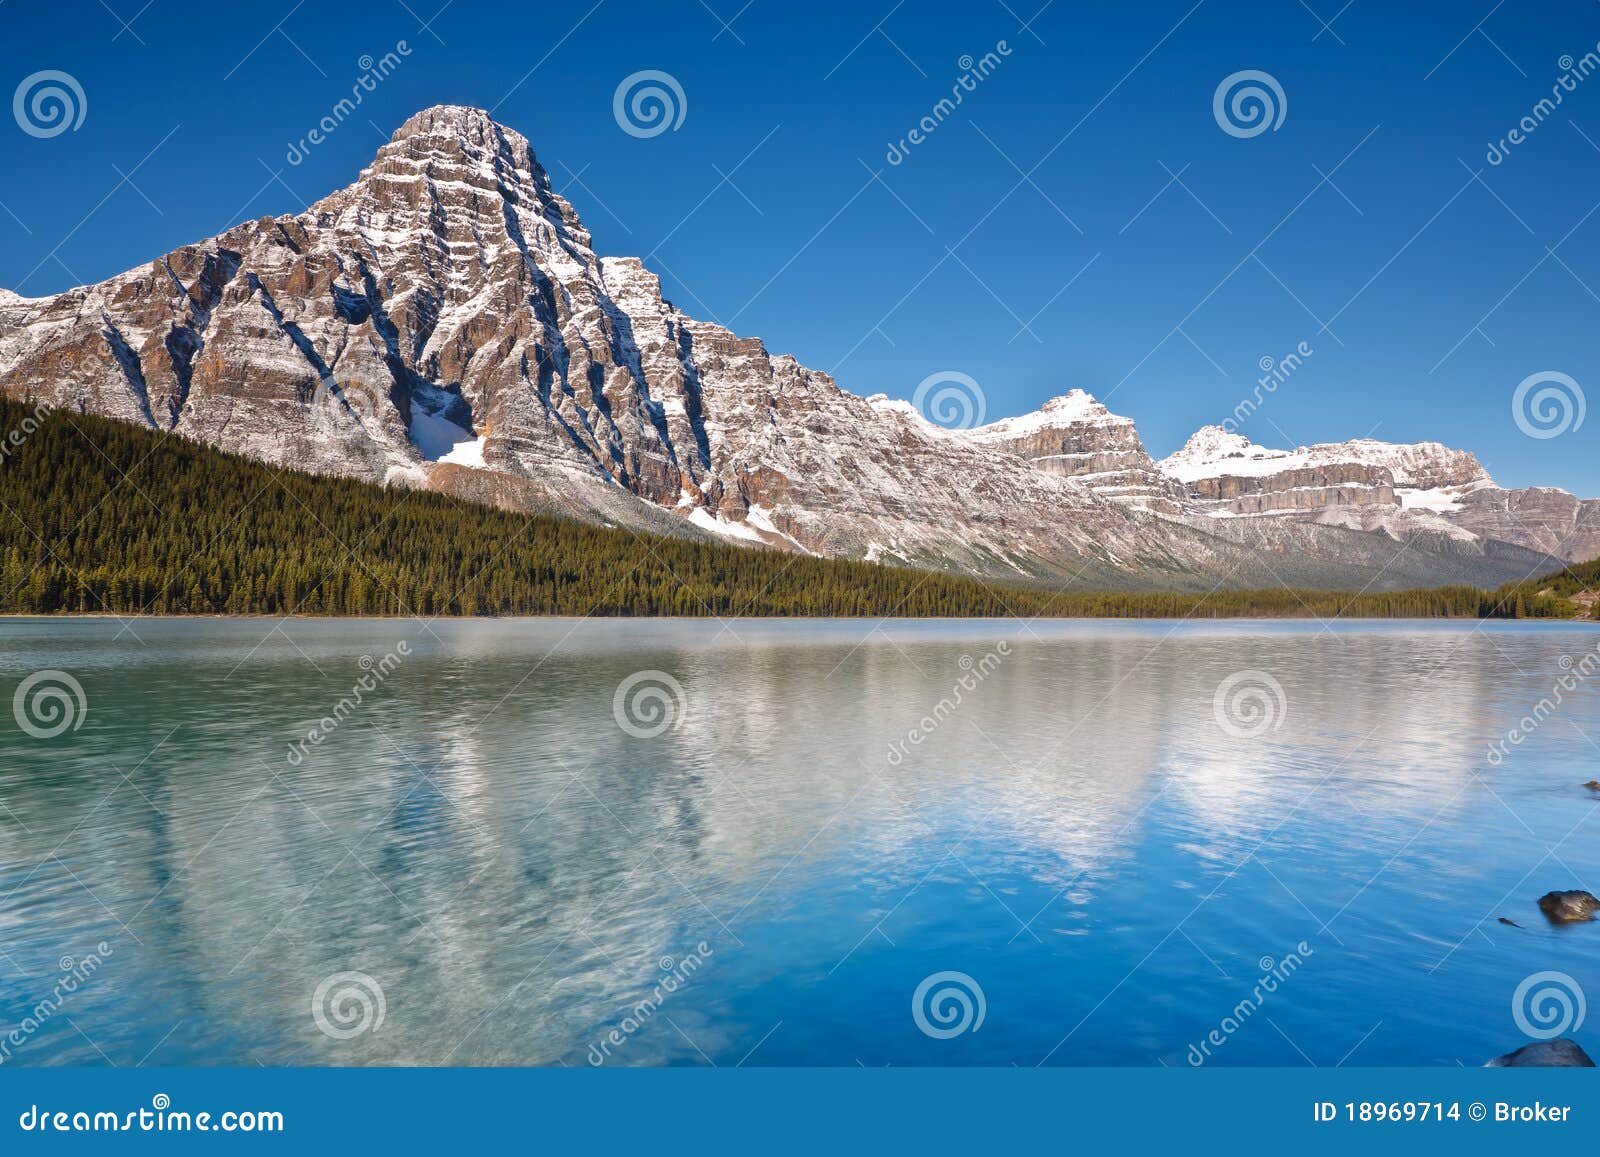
column 1538, row 517
column 1569, row 907
column 1380, row 486
column 1560, row 1053
column 444, row 322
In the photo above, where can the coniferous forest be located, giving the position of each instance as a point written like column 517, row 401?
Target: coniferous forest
column 98, row 516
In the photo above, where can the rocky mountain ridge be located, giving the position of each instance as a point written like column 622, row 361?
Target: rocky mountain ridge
column 445, row 322
column 1379, row 486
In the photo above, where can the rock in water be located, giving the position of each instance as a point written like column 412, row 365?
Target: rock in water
column 1508, row 922
column 1569, row 907
column 1593, row 785
column 1562, row 1053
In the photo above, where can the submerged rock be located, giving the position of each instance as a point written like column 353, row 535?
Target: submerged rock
column 1562, row 1053
column 1510, row 923
column 1569, row 907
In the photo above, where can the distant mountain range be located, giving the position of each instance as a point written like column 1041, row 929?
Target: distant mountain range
column 444, row 323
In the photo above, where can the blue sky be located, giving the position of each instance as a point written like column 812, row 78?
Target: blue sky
column 1081, row 219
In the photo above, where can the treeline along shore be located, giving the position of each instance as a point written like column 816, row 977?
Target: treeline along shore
column 105, row 517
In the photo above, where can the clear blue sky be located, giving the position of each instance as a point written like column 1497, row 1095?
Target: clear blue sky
column 1439, row 294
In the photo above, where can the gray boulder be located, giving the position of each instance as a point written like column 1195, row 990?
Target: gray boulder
column 1562, row 1053
column 1569, row 907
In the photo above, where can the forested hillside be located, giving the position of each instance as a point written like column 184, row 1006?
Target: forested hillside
column 100, row 516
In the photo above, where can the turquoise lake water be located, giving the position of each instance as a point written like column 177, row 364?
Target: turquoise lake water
column 537, row 842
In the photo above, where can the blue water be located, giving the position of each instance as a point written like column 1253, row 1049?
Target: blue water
column 1097, row 846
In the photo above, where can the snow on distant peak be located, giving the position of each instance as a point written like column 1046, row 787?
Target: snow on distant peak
column 1428, row 465
column 1214, row 450
column 1075, row 407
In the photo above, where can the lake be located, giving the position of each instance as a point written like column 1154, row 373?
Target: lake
column 537, row 842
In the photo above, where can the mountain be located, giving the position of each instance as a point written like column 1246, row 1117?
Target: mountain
column 445, row 323
column 1379, row 486
column 1075, row 436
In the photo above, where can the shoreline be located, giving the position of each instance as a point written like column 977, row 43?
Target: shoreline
column 300, row 617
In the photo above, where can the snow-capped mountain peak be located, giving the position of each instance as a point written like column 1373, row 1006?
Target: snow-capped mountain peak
column 1217, row 449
